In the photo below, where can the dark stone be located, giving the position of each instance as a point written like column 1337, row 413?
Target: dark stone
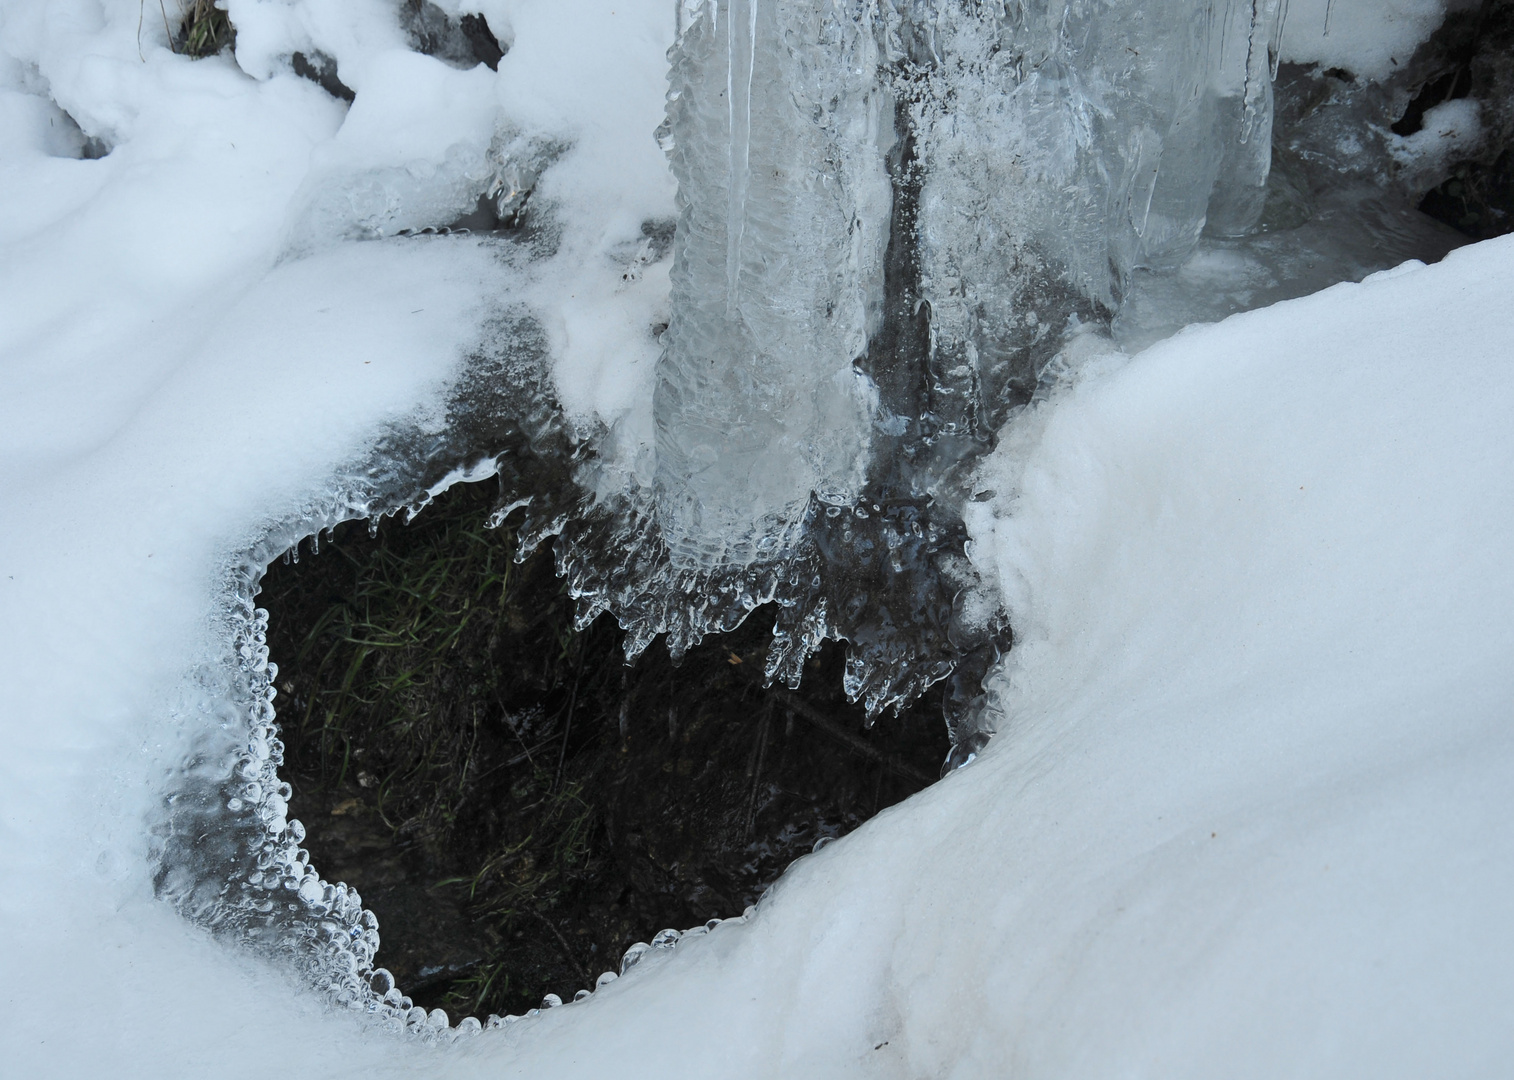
column 486, row 47
column 321, row 70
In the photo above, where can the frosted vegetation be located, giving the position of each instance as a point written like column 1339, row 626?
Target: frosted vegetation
column 869, row 309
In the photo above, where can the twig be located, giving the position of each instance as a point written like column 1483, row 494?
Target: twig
column 516, row 760
column 175, row 50
column 756, row 773
column 562, row 755
column 566, row 948
column 839, row 733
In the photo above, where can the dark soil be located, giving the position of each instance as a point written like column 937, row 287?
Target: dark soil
column 514, row 803
column 1472, row 55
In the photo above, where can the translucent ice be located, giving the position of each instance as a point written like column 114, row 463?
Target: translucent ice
column 1061, row 145
column 774, row 122
column 930, row 191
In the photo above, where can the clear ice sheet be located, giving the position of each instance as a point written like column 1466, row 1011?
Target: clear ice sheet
column 1065, row 145
column 1058, row 146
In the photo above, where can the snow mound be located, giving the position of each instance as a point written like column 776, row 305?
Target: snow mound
column 1368, row 37
column 1247, row 813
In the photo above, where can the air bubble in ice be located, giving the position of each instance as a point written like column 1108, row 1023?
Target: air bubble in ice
column 633, row 956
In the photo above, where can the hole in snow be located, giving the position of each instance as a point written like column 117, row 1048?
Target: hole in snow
column 514, row 803
column 62, row 137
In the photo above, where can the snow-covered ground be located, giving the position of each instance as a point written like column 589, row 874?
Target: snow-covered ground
column 1248, row 812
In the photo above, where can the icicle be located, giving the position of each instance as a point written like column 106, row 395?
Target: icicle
column 1262, row 40
column 777, row 257
column 741, row 62
column 1277, row 42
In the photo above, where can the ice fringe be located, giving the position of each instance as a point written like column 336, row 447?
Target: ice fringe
column 227, row 855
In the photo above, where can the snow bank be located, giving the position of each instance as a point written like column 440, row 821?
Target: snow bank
column 1369, row 38
column 1248, row 810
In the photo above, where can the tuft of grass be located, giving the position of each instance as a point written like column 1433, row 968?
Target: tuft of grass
column 204, row 29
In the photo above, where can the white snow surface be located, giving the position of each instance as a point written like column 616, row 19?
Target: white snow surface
column 1248, row 811
column 1369, row 38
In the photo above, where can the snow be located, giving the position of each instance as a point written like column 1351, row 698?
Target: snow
column 1452, row 130
column 1248, row 809
column 599, row 80
column 1369, row 38
column 1247, row 812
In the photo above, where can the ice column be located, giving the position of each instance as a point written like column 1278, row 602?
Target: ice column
column 1067, row 143
column 774, row 136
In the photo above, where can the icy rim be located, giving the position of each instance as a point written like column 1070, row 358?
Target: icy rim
column 223, row 848
column 228, row 856
column 224, row 851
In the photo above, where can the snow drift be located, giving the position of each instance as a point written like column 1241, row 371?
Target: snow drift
column 1247, row 812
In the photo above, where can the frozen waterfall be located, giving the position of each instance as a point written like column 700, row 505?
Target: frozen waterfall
column 1054, row 146
column 775, row 118
column 892, row 218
